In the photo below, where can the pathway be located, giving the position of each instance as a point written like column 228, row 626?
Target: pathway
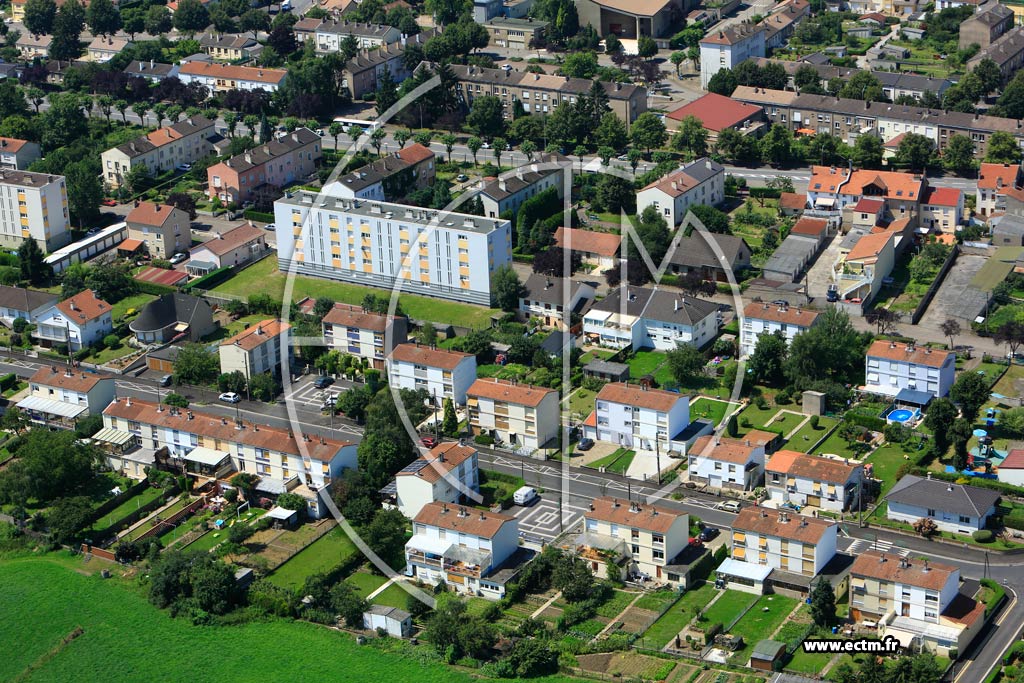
column 796, row 429
column 785, row 621
column 679, row 636
column 616, row 618
column 536, row 614
column 382, row 588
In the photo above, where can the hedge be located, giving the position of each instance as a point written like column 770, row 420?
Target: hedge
column 491, row 475
column 872, row 422
column 210, row 280
column 8, row 381
column 980, row 482
column 153, row 288
column 765, row 193
column 251, row 215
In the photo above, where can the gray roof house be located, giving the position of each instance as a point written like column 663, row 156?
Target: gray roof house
column 395, row 622
column 1008, row 231
column 956, row 508
column 171, row 316
column 651, row 318
column 18, row 302
column 546, row 296
column 694, row 253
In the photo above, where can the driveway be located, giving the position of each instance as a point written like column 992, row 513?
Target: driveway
column 953, row 300
column 819, row 276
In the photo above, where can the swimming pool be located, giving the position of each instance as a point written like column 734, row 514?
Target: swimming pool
column 902, row 415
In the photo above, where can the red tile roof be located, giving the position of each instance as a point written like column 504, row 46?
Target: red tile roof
column 442, row 459
column 130, row 245
column 869, row 205
column 83, row 307
column 635, row 395
column 814, row 467
column 717, row 112
column 633, row 514
column 793, row 200
column 151, row 213
column 161, row 276
column 53, row 376
column 424, row 355
column 507, row 392
column 780, row 314
column 11, row 144
column 895, row 142
column 462, row 519
column 600, row 243
column 1014, row 460
column 737, row 451
column 256, row 335
column 991, row 175
column 810, row 226
column 942, row 196
column 781, row 524
column 889, row 568
column 674, row 184
column 894, row 185
column 898, row 351
column 356, row 317
column 869, row 246
column 414, row 153
column 230, row 240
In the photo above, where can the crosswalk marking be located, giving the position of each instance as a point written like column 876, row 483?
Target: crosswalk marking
column 861, row 545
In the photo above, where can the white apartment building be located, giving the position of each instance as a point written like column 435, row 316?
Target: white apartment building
column 507, row 193
column 726, row 48
column 219, row 77
column 363, row 334
column 461, row 547
column 162, row 150
column 726, row 463
column 17, row 154
column 378, row 244
column 783, row 540
column 448, row 474
column 765, row 318
column 891, row 367
column 698, row 182
column 813, row 481
column 60, row 396
column 636, row 417
column 443, row 374
column 331, row 34
column 650, row 318
column 77, row 321
column 257, row 349
column 993, row 182
column 282, row 459
column 648, row 536
column 518, row 414
column 33, row 206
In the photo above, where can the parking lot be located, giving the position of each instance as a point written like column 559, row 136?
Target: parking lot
column 539, row 522
column 302, row 392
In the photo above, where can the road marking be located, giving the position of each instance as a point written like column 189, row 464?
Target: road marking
column 860, row 545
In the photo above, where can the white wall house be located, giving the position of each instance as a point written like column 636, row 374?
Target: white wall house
column 257, row 349
column 725, row 463
column 942, row 209
column 18, row 302
column 636, row 417
column 553, row 300
column 783, row 540
column 393, row 621
column 650, row 318
column 813, row 480
column 183, row 142
column 443, row 374
column 893, row 366
column 726, row 48
column 651, row 536
column 698, row 182
column 956, row 508
column 447, row 474
column 78, row 321
column 766, row 318
column 18, row 154
column 58, row 397
column 460, row 547
column 507, row 193
column 1011, row 469
column 518, row 414
column 356, row 332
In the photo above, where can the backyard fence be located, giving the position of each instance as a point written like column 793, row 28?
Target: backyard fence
column 172, row 521
column 922, row 306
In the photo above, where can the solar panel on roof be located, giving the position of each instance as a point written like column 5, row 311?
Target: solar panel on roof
column 414, row 467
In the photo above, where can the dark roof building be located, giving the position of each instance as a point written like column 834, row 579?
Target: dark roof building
column 173, row 316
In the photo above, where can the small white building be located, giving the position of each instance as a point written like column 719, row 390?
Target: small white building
column 507, row 193
column 766, row 318
column 232, row 248
column 18, row 154
column 393, row 621
column 58, row 397
column 521, row 415
column 363, row 334
column 443, row 374
column 783, row 540
column 892, row 366
column 449, row 473
column 18, row 302
column 942, row 209
column 649, row 536
column 957, row 508
column 1011, row 469
column 79, row 321
column 698, row 182
column 636, row 417
column 551, row 298
column 650, row 318
column 257, row 349
column 725, row 463
column 813, row 480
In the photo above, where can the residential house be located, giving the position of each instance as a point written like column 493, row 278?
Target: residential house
column 391, row 620
column 729, row 464
column 258, row 349
column 861, row 268
column 462, row 548
column 550, row 298
column 867, row 213
column 104, row 48
column 18, row 302
column 59, row 397
column 232, row 248
column 638, row 418
column 517, row 34
column 32, row 47
column 942, row 209
column 33, row 206
column 1011, row 469
column 651, row 318
column 651, row 537
column 832, row 188
column 163, row 229
column 230, row 47
column 815, row 481
column 765, row 318
column 917, row 601
column 204, row 443
column 219, row 77
column 162, row 150
column 17, row 154
column 79, row 321
column 442, row 374
column 782, row 22
column 507, row 193
column 725, row 48
column 783, row 540
column 273, row 165
column 717, row 113
column 599, row 249
column 792, row 203
column 363, row 334
column 388, row 179
column 521, row 415
column 172, row 317
column 993, row 181
column 707, row 254
column 631, row 20
column 698, row 182
column 892, row 366
column 542, row 93
column 956, row 508
column 152, row 71
column 445, row 255
column 894, row 84
column 332, row 33
column 989, row 22
column 362, row 73
column 449, row 473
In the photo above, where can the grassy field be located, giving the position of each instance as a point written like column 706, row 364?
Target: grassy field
column 645, row 363
column 807, row 436
column 126, row 640
column 581, row 402
column 323, row 554
column 678, row 616
column 365, row 582
column 886, row 461
column 710, row 409
column 656, row 600
column 618, row 462
column 808, row 662
column 136, row 301
column 264, row 277
column 392, row 596
column 725, row 609
column 836, row 445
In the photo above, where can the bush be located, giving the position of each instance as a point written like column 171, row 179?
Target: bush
column 112, row 342
column 19, row 325
column 484, row 439
column 983, row 536
column 814, row 421
column 176, row 400
column 8, row 381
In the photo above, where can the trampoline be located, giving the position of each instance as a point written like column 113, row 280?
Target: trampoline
column 902, row 415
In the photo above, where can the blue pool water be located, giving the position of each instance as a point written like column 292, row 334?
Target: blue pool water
column 901, row 415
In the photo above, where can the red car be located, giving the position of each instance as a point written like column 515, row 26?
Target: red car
column 109, row 202
column 429, row 441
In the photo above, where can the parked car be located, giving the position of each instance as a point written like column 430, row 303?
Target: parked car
column 184, row 167
column 585, row 444
column 323, row 381
column 178, row 258
column 270, row 226
column 709, row 533
column 695, row 541
column 109, row 202
column 229, row 397
column 166, row 380
column 462, row 177
column 429, row 441
column 730, row 506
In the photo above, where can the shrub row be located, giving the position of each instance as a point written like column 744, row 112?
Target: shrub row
column 210, row 280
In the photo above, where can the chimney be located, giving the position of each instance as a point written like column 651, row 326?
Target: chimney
column 444, row 508
column 615, row 502
column 633, row 507
column 881, row 558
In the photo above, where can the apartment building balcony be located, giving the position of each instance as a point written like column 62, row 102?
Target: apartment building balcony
column 49, row 333
column 852, row 285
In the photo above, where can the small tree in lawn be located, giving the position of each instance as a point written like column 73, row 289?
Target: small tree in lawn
column 450, row 424
column 951, row 328
column 823, row 604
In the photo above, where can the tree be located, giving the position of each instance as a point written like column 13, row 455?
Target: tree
column 191, row 17
column 32, row 262
column 450, row 424
column 498, row 145
column 651, row 230
column 506, row 288
column 49, row 465
column 988, row 74
column 103, row 18
column 573, row 577
column 263, row 386
column 915, row 151
column 863, row 85
column 777, row 145
column 766, row 364
column 831, row 350
column 528, row 148
column 448, row 11
column 1002, row 149
column 254, row 20
column 611, row 132
column 685, row 363
column 807, row 80
column 971, row 391
column 714, row 220
column 959, row 155
column 580, row 64
column 67, row 29
column 867, row 152
column 646, row 47
column 158, row 20
column 233, row 381
column 648, row 132
column 951, row 329
column 39, row 16
column 1010, row 333
column 486, row 118
column 386, row 536
column 691, row 138
column 196, row 364
column 925, row 526
column 883, row 319
column 133, row 20
column 823, row 604
column 15, row 420
column 449, row 141
column 940, row 415
column 723, row 83
column 85, row 192
column 474, row 144
column 677, row 58
column 67, row 517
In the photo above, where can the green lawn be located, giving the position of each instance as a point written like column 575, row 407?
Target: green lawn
column 126, row 640
column 146, row 496
column 208, row 541
column 725, row 609
column 836, row 445
column 235, row 326
column 678, row 615
column 366, row 582
column 656, row 600
column 645, row 363
column 710, row 409
column 759, row 623
column 617, row 462
column 808, row 662
column 323, row 554
column 886, row 461
column 108, row 354
column 264, row 277
column 392, row 596
column 136, row 301
column 581, row 402
column 807, row 436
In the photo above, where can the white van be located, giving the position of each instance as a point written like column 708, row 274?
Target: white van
column 524, row 496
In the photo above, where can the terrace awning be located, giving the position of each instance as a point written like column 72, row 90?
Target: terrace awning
column 51, row 407
column 113, row 436
column 744, row 570
column 914, row 397
column 428, row 545
column 207, row 456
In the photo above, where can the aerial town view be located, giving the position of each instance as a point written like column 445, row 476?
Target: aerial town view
column 653, row 341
